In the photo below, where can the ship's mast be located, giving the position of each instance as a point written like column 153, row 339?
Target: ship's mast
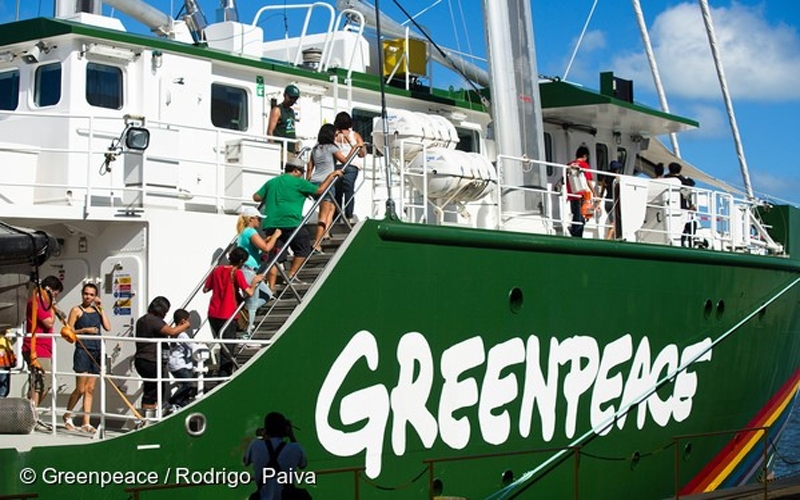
column 516, row 108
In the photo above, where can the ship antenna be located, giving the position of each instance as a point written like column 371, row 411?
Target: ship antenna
column 390, row 207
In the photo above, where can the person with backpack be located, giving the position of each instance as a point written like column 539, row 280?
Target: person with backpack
column 687, row 196
column 270, row 454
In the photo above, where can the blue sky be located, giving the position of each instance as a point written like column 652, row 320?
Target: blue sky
column 759, row 41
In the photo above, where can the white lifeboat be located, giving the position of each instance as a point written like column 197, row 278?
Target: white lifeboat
column 412, row 131
column 453, row 175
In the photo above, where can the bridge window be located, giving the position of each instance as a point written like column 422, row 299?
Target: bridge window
column 229, row 107
column 9, row 90
column 104, row 86
column 47, row 89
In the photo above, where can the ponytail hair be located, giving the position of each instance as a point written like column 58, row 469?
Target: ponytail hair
column 241, row 223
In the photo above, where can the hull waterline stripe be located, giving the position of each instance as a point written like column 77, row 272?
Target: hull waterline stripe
column 560, row 456
column 733, row 454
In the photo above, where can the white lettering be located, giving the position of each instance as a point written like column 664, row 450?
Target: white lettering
column 637, row 384
column 458, row 394
column 498, row 391
column 607, row 389
column 537, row 391
column 370, row 404
column 410, row 395
column 666, row 362
column 589, row 375
column 580, row 377
column 686, row 381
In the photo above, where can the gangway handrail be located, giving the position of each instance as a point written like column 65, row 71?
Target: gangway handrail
column 214, row 264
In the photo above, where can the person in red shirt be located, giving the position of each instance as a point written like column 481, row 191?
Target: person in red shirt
column 576, row 198
column 40, row 364
column 224, row 283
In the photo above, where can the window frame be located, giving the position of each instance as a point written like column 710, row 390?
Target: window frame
column 11, row 71
column 121, row 85
column 216, row 112
column 37, row 83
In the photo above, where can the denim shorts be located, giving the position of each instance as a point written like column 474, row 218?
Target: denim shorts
column 82, row 363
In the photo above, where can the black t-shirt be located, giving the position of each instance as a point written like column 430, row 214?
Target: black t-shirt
column 149, row 327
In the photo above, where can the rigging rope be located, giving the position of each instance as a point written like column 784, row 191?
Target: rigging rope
column 580, row 39
column 723, row 84
column 651, row 59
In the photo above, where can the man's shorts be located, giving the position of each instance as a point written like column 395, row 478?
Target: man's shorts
column 300, row 245
column 41, row 381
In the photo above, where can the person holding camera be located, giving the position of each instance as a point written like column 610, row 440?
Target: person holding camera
column 271, row 454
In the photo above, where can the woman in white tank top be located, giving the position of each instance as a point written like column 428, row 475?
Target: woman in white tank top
column 347, row 140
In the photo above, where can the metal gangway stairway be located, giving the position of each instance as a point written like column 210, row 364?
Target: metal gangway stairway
column 273, row 315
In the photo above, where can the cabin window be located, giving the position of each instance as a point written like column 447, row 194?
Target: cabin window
column 468, row 140
column 601, row 156
column 104, row 86
column 622, row 156
column 229, row 107
column 47, row 91
column 548, row 152
column 362, row 123
column 9, row 90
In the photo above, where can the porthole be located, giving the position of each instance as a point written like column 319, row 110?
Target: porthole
column 515, row 300
column 708, row 308
column 438, row 487
column 720, row 308
column 195, row 424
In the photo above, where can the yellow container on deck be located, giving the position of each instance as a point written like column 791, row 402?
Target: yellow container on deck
column 393, row 51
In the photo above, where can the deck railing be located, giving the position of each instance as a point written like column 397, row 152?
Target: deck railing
column 122, row 374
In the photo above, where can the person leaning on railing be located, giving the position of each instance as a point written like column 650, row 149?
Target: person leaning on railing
column 41, row 318
column 153, row 326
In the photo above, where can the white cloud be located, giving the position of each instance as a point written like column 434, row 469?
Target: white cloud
column 593, row 40
column 713, row 122
column 761, row 61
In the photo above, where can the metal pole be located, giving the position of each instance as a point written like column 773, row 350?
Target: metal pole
column 390, row 207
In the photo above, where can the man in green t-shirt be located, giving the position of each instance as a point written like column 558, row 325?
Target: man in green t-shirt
column 283, row 198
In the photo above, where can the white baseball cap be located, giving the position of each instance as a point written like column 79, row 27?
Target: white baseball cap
column 252, row 212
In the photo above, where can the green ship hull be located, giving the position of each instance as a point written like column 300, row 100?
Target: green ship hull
column 441, row 361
